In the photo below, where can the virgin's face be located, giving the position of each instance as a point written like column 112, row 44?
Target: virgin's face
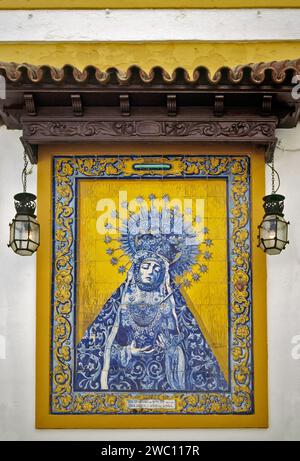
column 150, row 272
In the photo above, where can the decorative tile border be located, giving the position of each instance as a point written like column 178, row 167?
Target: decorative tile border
column 67, row 171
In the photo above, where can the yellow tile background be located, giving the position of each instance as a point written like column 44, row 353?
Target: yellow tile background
column 97, row 279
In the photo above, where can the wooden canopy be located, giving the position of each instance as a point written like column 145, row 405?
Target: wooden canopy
column 243, row 104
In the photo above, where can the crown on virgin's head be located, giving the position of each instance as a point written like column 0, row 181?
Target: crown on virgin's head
column 161, row 232
column 159, row 244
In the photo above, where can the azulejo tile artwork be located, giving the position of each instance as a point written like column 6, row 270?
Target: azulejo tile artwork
column 152, row 295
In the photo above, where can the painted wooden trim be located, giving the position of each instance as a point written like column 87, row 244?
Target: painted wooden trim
column 136, row 4
column 168, row 55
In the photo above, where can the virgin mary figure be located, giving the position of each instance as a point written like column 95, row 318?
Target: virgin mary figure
column 145, row 337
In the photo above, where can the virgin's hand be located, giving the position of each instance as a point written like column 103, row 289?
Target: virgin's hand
column 139, row 350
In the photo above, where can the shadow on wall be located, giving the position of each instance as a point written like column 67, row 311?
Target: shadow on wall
column 2, row 347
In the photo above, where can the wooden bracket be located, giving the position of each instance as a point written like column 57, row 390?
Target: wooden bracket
column 269, row 150
column 77, row 104
column 219, row 105
column 267, row 104
column 31, row 150
column 29, row 104
column 124, row 105
column 171, row 105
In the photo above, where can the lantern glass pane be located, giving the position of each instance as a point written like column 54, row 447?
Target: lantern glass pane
column 34, row 231
column 269, row 243
column 268, row 228
column 11, row 232
column 32, row 246
column 21, row 227
column 280, row 245
column 282, row 230
column 24, row 252
column 273, row 251
column 22, row 244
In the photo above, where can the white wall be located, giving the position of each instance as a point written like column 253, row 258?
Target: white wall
column 17, row 322
column 142, row 25
column 17, row 275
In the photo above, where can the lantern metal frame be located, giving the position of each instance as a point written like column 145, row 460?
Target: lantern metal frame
column 24, row 230
column 273, row 206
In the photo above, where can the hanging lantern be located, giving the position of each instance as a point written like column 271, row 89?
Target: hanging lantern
column 24, row 236
column 273, row 231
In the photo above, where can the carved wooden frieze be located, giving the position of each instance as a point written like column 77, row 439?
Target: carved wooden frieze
column 209, row 130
